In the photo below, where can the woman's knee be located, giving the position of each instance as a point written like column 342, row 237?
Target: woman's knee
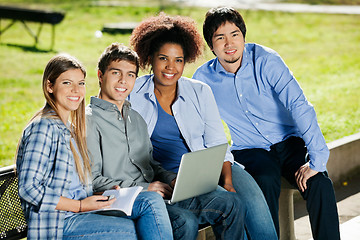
column 229, row 204
column 91, row 226
column 185, row 225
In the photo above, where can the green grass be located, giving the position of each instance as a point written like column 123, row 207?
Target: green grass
column 327, row 2
column 321, row 50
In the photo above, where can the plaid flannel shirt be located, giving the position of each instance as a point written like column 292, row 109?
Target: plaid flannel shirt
column 44, row 166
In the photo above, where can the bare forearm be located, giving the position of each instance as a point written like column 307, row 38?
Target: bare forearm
column 226, row 177
column 84, row 205
column 67, row 204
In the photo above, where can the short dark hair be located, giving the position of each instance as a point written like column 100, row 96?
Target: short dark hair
column 216, row 17
column 152, row 33
column 117, row 52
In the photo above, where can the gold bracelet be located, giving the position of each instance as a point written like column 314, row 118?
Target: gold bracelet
column 80, row 207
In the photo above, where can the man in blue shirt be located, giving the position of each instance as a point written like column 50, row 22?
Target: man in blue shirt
column 273, row 127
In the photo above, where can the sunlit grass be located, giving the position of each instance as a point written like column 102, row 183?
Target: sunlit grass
column 321, row 50
column 327, row 2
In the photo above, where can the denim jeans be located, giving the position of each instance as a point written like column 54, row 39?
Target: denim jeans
column 258, row 222
column 222, row 210
column 149, row 220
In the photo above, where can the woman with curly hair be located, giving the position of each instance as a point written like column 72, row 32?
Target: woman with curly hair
column 182, row 114
column 170, row 103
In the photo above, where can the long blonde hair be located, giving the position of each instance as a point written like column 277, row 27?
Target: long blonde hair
column 55, row 67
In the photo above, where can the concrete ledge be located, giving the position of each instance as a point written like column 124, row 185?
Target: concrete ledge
column 286, row 211
column 206, row 234
column 344, row 157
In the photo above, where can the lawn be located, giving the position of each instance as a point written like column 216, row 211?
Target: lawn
column 321, row 50
column 326, row 2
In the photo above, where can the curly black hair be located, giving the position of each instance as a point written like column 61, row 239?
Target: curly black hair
column 152, row 33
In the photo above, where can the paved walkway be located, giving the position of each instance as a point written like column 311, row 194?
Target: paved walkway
column 272, row 5
column 348, row 202
column 349, row 220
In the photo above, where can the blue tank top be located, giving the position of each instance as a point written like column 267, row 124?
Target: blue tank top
column 168, row 143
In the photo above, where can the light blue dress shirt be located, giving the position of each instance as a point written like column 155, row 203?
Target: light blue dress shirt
column 194, row 109
column 263, row 104
column 77, row 190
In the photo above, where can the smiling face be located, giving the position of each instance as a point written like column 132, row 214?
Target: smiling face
column 168, row 64
column 228, row 45
column 68, row 91
column 117, row 82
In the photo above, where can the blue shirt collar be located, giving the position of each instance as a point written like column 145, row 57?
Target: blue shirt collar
column 245, row 60
column 148, row 88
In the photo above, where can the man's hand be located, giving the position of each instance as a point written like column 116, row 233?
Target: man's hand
column 162, row 188
column 116, row 187
column 303, row 174
column 172, row 184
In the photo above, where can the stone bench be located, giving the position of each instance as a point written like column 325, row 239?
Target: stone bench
column 286, row 215
column 344, row 159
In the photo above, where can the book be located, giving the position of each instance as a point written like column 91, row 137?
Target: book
column 125, row 198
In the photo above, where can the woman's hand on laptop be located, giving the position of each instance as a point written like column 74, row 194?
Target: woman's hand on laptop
column 162, row 188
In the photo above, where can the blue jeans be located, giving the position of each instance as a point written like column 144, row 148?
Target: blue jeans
column 222, row 210
column 258, row 222
column 149, row 220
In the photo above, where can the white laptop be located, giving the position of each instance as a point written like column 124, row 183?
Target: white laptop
column 199, row 173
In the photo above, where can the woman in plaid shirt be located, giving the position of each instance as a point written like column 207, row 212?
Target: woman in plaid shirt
column 53, row 165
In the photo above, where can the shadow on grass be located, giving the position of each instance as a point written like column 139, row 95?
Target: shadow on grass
column 29, row 48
